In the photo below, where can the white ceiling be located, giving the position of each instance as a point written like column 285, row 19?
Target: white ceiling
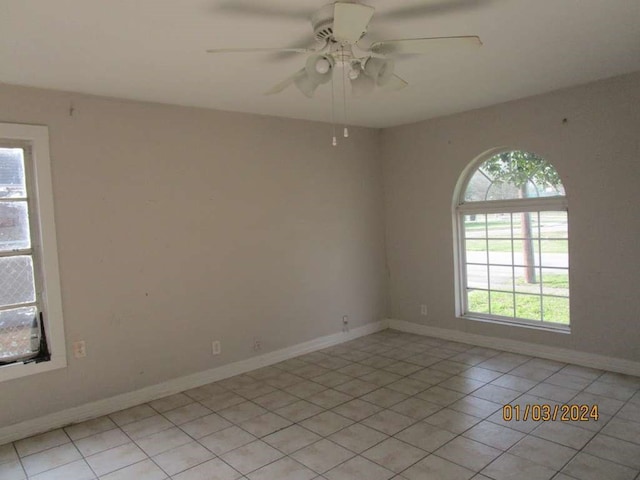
column 154, row 50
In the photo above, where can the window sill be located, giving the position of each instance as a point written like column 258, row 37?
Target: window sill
column 19, row 370
column 549, row 327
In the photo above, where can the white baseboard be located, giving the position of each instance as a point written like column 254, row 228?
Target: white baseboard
column 592, row 360
column 131, row 399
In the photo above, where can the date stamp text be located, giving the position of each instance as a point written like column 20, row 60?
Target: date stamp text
column 550, row 413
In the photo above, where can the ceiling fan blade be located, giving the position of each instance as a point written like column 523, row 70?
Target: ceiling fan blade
column 285, row 83
column 423, row 45
column 433, row 7
column 394, row 84
column 307, row 40
column 259, row 9
column 260, row 50
column 350, row 21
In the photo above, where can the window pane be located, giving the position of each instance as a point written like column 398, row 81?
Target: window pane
column 525, row 225
column 513, row 175
column 16, row 280
column 526, row 253
column 555, row 282
column 17, row 337
column 555, row 253
column 477, row 277
column 475, row 226
column 12, row 184
column 14, row 226
column 500, row 252
column 501, row 278
column 528, row 306
column 528, row 280
column 502, row 304
column 478, row 301
column 502, row 191
column 554, row 225
column 555, row 310
column 477, row 188
column 499, row 225
column 476, row 250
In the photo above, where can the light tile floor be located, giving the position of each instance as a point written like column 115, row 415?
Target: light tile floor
column 387, row 406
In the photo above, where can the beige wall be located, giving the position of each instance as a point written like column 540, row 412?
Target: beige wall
column 598, row 156
column 179, row 226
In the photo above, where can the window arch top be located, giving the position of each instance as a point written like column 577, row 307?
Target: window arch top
column 513, row 175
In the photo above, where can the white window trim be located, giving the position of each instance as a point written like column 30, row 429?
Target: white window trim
column 460, row 208
column 37, row 137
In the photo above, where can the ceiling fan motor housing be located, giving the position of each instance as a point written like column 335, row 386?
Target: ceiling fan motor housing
column 322, row 22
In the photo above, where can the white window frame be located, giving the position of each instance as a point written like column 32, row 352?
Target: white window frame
column 44, row 245
column 461, row 208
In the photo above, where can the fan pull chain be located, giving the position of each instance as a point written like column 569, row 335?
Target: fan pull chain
column 344, row 95
column 333, row 112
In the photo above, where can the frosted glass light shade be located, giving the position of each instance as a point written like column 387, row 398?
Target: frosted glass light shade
column 380, row 69
column 316, row 64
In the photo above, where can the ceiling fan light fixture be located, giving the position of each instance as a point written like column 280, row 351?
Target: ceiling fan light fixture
column 323, row 66
column 380, row 69
column 319, row 68
column 354, row 71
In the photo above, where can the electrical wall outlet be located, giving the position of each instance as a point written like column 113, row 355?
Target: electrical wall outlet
column 79, row 349
column 345, row 323
column 423, row 310
column 216, row 348
column 257, row 345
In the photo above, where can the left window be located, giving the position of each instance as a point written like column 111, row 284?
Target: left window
column 31, row 329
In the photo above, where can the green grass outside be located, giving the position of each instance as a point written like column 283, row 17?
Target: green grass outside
column 527, row 306
column 555, row 280
column 552, row 284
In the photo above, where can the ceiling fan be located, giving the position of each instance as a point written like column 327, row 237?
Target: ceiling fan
column 338, row 30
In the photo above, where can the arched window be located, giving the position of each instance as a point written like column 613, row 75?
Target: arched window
column 512, row 241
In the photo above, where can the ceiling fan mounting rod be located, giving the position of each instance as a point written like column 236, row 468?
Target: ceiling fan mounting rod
column 342, row 54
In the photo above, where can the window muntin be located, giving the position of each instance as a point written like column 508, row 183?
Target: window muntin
column 513, row 242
